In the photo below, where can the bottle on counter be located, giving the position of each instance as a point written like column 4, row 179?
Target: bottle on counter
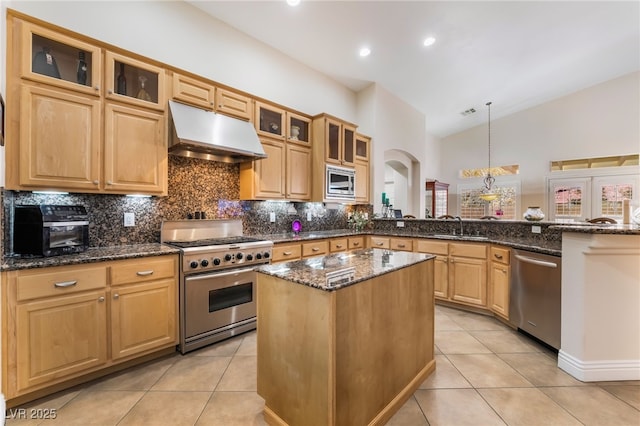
column 121, row 81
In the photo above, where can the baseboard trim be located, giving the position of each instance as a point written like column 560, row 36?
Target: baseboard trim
column 599, row 371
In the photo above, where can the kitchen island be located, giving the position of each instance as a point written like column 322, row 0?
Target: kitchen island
column 344, row 339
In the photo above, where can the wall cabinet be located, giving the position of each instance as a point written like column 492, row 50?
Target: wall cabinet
column 361, row 165
column 61, row 130
column 499, row 278
column 64, row 322
column 234, row 104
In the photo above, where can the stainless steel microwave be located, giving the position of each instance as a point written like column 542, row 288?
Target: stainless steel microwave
column 341, row 183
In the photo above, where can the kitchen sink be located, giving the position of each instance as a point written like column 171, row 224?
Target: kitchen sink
column 460, row 237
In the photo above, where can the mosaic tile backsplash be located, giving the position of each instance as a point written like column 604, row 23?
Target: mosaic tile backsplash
column 194, row 186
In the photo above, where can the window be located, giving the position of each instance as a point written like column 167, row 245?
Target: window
column 471, row 206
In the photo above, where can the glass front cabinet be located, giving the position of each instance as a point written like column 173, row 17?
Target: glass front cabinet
column 437, row 196
column 134, row 82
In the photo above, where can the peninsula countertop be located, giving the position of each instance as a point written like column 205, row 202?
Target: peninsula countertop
column 334, row 271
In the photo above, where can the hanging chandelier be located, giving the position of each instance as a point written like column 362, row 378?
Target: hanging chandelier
column 487, row 193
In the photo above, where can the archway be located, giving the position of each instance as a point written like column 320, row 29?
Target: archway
column 402, row 181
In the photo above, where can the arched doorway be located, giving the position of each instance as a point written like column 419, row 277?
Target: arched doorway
column 402, row 181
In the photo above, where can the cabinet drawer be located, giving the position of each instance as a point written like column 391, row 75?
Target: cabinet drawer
column 136, row 270
column 356, row 243
column 401, row 244
column 338, row 245
column 379, row 242
column 285, row 252
column 478, row 251
column 434, row 247
column 59, row 280
column 500, row 254
column 315, row 248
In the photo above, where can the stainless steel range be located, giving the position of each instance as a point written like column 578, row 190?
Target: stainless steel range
column 217, row 278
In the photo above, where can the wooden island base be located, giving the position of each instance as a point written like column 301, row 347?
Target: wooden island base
column 352, row 356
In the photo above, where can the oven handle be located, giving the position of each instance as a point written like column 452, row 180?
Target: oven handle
column 220, row 274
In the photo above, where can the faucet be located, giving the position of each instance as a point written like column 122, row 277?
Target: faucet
column 459, row 219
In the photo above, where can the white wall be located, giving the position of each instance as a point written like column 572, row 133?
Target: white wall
column 599, row 121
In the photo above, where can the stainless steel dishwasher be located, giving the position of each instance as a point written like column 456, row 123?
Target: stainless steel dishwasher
column 534, row 300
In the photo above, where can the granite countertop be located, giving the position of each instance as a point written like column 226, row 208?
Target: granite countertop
column 96, row 254
column 289, row 237
column 600, row 228
column 335, row 271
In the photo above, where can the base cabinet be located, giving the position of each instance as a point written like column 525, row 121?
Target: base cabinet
column 499, row 278
column 441, row 265
column 468, row 273
column 61, row 323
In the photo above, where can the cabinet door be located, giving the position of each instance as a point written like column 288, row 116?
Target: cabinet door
column 298, row 172
column 193, row 91
column 441, row 277
column 468, row 278
column 270, row 120
column 499, row 289
column 269, row 176
column 135, row 153
column 315, row 248
column 348, row 145
column 55, row 59
column 59, row 139
column 362, row 182
column 234, row 104
column 356, row 243
column 298, row 129
column 333, row 136
column 143, row 317
column 362, row 147
column 379, row 242
column 134, row 82
column 286, row 252
column 60, row 337
column 338, row 244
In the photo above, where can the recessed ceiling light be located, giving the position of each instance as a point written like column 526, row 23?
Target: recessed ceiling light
column 293, row 2
column 429, row 41
column 365, row 51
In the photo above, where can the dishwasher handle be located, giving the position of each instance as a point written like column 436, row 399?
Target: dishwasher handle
column 536, row 261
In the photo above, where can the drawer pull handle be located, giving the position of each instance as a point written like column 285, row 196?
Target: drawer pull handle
column 357, row 243
column 144, row 273
column 498, row 256
column 401, row 245
column 315, row 249
column 287, row 253
column 338, row 245
column 380, row 243
column 64, row 284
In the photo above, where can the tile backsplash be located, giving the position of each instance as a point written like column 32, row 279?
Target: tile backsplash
column 194, row 186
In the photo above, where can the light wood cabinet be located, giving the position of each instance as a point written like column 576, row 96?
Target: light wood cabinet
column 361, row 166
column 64, row 322
column 356, row 243
column 338, row 245
column 315, row 248
column 499, row 278
column 378, row 242
column 441, row 265
column 285, row 252
column 139, row 167
column 298, row 176
column 402, row 244
column 193, row 91
column 234, row 104
column 63, row 131
column 468, row 273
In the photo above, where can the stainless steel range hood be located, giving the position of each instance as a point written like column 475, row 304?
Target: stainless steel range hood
column 211, row 136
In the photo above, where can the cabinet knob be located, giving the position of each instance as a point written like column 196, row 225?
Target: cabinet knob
column 96, row 182
column 116, row 296
column 97, row 88
column 110, row 91
column 109, row 182
column 315, row 249
column 101, row 299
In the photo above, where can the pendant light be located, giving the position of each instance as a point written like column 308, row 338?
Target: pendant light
column 488, row 194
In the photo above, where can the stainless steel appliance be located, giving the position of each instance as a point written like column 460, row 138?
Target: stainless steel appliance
column 341, row 183
column 217, row 278
column 50, row 230
column 534, row 301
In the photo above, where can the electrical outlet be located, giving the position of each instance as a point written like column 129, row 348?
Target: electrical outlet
column 536, row 229
column 309, row 216
column 272, row 217
column 400, row 224
column 129, row 219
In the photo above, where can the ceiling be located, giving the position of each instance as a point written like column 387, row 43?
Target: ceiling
column 517, row 54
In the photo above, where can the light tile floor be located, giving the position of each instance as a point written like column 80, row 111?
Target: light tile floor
column 486, row 374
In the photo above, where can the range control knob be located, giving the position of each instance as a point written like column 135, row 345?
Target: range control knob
column 249, row 257
column 193, row 264
column 216, row 261
column 258, row 256
column 266, row 255
column 239, row 256
column 204, row 263
column 227, row 257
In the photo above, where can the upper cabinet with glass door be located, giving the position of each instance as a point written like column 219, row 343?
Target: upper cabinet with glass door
column 270, row 120
column 298, row 129
column 58, row 60
column 135, row 82
column 336, row 138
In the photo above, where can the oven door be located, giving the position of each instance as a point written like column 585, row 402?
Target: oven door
column 219, row 299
